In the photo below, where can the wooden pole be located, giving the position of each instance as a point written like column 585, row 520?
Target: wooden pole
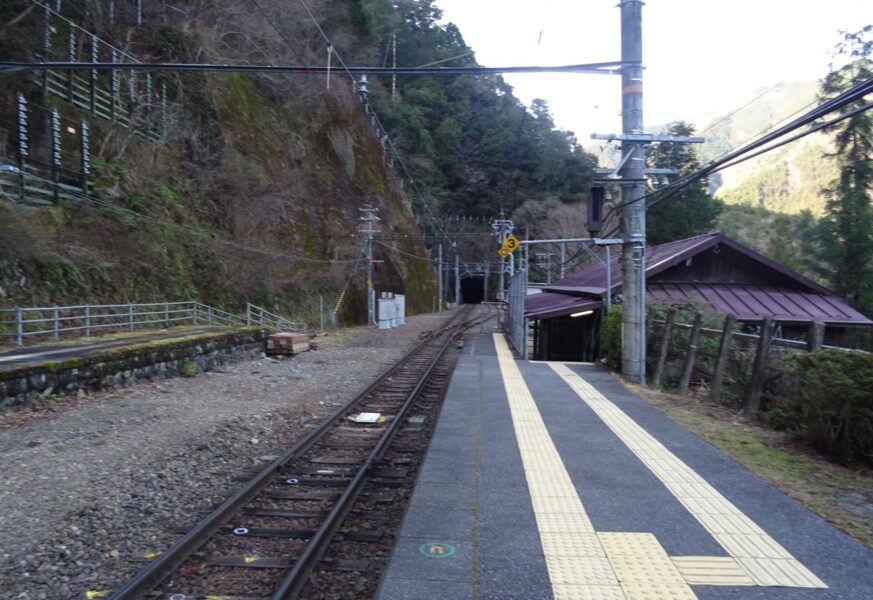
column 816, row 336
column 665, row 347
column 752, row 401
column 721, row 361
column 690, row 354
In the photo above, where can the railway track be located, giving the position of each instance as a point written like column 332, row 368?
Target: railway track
column 336, row 488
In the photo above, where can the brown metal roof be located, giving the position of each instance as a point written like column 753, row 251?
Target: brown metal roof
column 804, row 301
column 754, row 302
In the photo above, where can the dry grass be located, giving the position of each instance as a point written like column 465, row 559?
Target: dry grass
column 839, row 494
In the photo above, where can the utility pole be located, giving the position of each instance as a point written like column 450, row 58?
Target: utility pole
column 632, row 171
column 394, row 65
column 502, row 228
column 457, row 277
column 633, row 216
column 440, row 279
column 485, row 281
column 369, row 217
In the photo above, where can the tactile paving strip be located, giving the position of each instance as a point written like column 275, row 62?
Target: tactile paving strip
column 762, row 558
column 582, row 564
column 712, row 570
column 576, row 561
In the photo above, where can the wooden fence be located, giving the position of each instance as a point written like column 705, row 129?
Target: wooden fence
column 740, row 363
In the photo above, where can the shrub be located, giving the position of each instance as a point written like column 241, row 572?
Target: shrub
column 833, row 403
column 189, row 369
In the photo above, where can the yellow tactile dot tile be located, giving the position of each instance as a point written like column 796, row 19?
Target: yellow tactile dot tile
column 572, row 544
column 580, row 570
column 644, row 568
column 781, row 572
column 567, row 591
column 712, row 570
column 657, row 591
column 636, row 544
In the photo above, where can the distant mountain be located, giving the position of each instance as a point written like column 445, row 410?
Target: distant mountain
column 787, row 180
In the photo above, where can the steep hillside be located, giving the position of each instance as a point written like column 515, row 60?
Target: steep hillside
column 252, row 195
column 787, row 180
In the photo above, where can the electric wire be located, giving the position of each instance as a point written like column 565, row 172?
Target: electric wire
column 398, row 250
column 23, row 66
column 435, row 222
column 852, row 95
column 276, row 29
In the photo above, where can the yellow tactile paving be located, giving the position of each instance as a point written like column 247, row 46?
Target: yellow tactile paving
column 575, row 559
column 712, row 570
column 633, row 544
column 657, row 591
column 582, row 564
column 566, row 591
column 760, row 556
column 572, row 544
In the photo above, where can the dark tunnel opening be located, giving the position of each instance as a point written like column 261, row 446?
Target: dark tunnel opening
column 471, row 290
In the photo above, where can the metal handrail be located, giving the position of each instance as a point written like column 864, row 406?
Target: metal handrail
column 32, row 321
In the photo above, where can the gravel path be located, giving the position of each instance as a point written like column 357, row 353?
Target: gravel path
column 91, row 482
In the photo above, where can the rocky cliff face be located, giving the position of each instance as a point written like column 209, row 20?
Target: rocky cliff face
column 250, row 192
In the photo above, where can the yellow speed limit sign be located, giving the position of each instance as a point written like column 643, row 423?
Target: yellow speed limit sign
column 509, row 245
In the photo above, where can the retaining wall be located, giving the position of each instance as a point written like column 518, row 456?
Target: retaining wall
column 121, row 366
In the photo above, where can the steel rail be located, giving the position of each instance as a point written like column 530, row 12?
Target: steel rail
column 296, row 579
column 172, row 558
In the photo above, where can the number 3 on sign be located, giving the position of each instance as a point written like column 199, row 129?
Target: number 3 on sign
column 511, row 243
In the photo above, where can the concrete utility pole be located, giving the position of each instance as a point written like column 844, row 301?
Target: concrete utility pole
column 369, row 217
column 457, row 277
column 440, row 279
column 502, row 228
column 633, row 216
column 632, row 180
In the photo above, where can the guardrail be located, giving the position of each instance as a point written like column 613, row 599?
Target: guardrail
column 54, row 321
column 255, row 315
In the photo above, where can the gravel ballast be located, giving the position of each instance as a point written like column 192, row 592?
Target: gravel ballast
column 90, row 483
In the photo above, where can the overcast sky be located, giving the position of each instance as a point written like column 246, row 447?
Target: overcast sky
column 701, row 57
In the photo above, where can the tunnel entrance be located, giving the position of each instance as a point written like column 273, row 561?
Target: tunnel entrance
column 471, row 290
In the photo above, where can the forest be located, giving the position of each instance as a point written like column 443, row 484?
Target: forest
column 277, row 161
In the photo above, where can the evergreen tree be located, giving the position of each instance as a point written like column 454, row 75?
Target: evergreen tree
column 845, row 234
column 692, row 210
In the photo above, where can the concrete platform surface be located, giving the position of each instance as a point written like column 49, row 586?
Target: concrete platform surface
column 551, row 480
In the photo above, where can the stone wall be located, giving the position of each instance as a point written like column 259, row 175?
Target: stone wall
column 121, row 366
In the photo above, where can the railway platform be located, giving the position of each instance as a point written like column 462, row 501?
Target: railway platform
column 551, row 480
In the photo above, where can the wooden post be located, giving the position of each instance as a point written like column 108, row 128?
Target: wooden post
column 815, row 338
column 690, row 354
column 721, row 361
column 752, row 401
column 665, row 347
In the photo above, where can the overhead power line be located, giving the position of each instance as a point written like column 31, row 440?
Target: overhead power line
column 608, row 68
column 734, row 157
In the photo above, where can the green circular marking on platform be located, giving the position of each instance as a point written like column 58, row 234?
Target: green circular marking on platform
column 436, row 550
